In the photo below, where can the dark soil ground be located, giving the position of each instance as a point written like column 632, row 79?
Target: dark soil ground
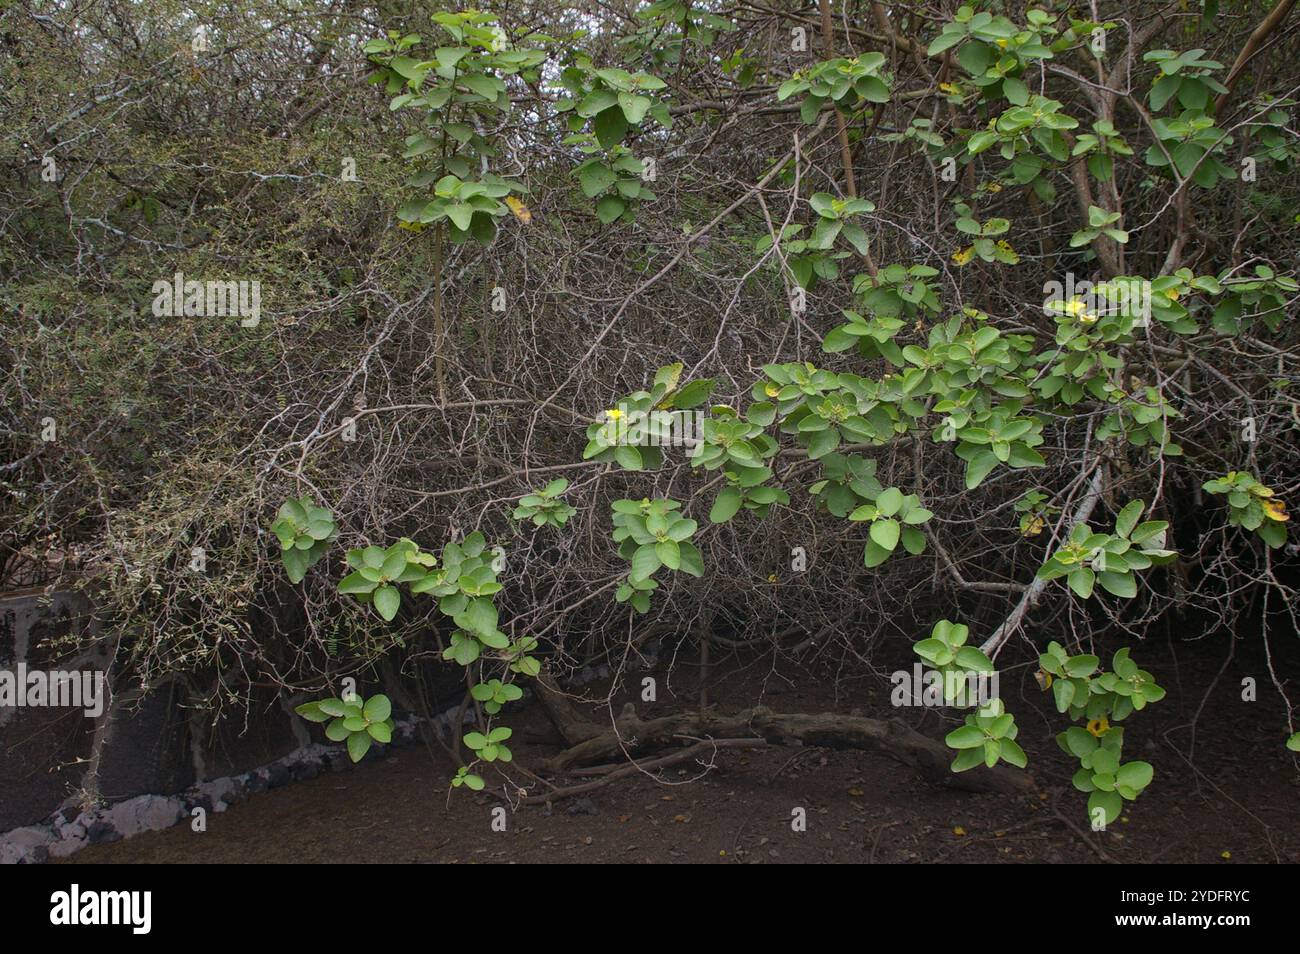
column 1225, row 792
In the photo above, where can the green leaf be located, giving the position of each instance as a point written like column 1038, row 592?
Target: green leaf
column 668, row 554
column 935, row 651
column 610, row 208
column 387, row 601
column 380, row 732
column 377, row 708
column 969, row 657
column 691, row 561
column 634, row 107
column 1135, row 775
column 889, row 502
column 356, row 582
column 885, row 534
column 1013, row 754
column 1104, row 807
column 726, row 505
column 966, row 737
column 979, row 467
column 968, row 759
column 610, row 126
column 358, row 745
column 1119, row 584
column 1063, row 692
column 334, row 707
column 296, row 563
column 644, row 563
column 595, row 179
column 1081, row 580
column 873, row 554
column 1079, row 666
column 1079, row 742
column 312, row 712
column 1128, row 518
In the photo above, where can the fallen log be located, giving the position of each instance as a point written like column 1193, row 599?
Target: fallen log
column 893, row 737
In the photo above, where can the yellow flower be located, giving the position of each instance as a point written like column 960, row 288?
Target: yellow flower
column 771, row 390
column 614, row 414
column 964, row 255
column 771, row 578
column 1076, row 308
column 1002, row 43
column 1033, row 528
column 994, row 187
column 1275, row 510
column 950, row 87
column 1099, row 727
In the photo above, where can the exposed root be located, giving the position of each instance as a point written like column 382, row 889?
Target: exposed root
column 829, row 730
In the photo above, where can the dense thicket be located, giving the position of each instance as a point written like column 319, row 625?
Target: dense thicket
column 471, row 372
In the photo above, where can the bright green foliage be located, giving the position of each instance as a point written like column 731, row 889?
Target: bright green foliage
column 1263, row 297
column 518, row 657
column 850, row 84
column 544, row 506
column 305, row 532
column 651, row 534
column 604, row 107
column 1078, row 688
column 892, row 516
column 848, row 481
column 1110, row 559
column 946, row 651
column 494, row 694
column 634, row 432
column 1252, row 506
column 377, row 572
column 1101, row 146
column 1100, row 698
column 490, row 747
column 983, row 235
column 816, row 256
column 987, row 737
column 1100, row 222
column 740, row 448
column 357, row 723
column 673, row 26
column 465, row 777
column 464, row 580
column 462, row 90
column 1108, row 780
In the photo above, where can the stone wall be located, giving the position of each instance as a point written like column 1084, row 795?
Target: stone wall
column 54, row 758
